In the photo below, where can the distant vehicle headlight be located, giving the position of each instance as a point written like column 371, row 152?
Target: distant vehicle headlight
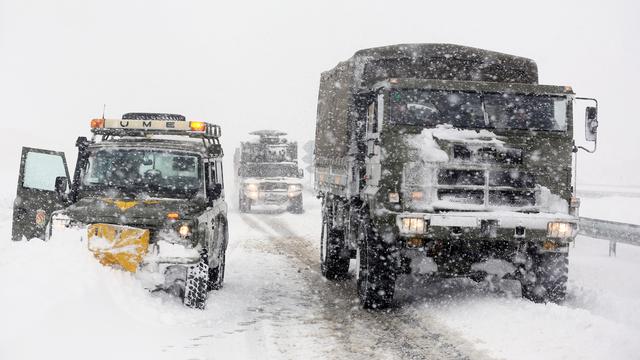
column 184, row 230
column 560, row 229
column 294, row 189
column 251, row 187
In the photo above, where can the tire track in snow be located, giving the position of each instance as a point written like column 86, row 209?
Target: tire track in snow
column 364, row 334
column 287, row 321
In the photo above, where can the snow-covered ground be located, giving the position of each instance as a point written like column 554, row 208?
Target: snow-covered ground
column 58, row 301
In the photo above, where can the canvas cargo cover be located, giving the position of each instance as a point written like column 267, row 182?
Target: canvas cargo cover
column 336, row 100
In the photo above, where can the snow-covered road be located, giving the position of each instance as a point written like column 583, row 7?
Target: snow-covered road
column 57, row 301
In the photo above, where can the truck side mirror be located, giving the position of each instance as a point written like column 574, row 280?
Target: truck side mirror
column 214, row 191
column 61, row 185
column 300, row 173
column 591, row 123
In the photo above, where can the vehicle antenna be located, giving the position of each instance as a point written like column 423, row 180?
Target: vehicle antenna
column 104, row 108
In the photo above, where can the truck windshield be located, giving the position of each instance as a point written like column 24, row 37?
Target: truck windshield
column 268, row 170
column 460, row 109
column 137, row 172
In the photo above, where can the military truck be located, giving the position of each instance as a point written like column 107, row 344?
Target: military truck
column 147, row 196
column 267, row 172
column 438, row 160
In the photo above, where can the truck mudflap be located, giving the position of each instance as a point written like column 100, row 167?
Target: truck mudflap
column 488, row 225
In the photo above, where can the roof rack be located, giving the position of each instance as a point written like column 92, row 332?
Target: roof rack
column 153, row 116
column 268, row 133
column 127, row 127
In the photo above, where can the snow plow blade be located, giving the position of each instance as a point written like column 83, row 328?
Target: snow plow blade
column 119, row 246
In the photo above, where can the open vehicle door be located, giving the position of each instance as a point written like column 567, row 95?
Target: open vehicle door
column 43, row 180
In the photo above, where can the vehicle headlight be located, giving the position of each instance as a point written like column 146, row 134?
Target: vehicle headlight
column 416, row 195
column 184, row 230
column 60, row 221
column 413, row 225
column 560, row 229
column 294, row 189
column 251, row 187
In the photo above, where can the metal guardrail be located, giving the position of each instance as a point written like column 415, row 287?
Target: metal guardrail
column 615, row 232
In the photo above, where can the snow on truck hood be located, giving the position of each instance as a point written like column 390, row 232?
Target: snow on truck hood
column 430, row 151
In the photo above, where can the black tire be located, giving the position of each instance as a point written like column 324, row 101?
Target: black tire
column 545, row 277
column 295, row 205
column 376, row 278
column 332, row 264
column 244, row 204
column 195, row 289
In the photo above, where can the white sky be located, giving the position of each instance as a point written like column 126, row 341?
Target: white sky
column 256, row 64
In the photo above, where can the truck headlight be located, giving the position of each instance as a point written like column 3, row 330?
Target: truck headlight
column 251, row 187
column 184, row 230
column 412, row 225
column 560, row 229
column 251, row 191
column 294, row 189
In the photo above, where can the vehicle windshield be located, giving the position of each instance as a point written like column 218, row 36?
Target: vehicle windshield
column 268, row 170
column 460, row 109
column 142, row 173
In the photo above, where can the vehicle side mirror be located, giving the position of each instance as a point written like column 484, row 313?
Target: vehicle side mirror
column 214, row 191
column 591, row 123
column 300, row 173
column 61, row 185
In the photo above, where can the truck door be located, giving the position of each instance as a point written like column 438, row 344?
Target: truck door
column 36, row 196
column 372, row 160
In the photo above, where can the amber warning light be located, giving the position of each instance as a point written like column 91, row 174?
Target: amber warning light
column 97, row 123
column 197, row 126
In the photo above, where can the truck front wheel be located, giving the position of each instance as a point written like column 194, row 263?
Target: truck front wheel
column 374, row 270
column 244, row 204
column 332, row 264
column 544, row 278
column 195, row 290
column 295, row 205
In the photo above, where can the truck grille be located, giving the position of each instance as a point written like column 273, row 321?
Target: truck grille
column 488, row 188
column 273, row 186
column 461, row 196
column 488, row 154
column 512, row 198
column 461, row 177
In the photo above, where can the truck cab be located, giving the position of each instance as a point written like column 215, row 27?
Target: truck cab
column 147, row 196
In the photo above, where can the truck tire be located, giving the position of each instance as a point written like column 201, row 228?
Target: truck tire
column 295, row 205
column 195, row 289
column 332, row 265
column 545, row 277
column 244, row 204
column 375, row 273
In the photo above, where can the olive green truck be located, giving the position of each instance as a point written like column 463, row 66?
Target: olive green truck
column 438, row 160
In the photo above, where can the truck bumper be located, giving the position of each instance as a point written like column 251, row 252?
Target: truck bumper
column 271, row 197
column 498, row 226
